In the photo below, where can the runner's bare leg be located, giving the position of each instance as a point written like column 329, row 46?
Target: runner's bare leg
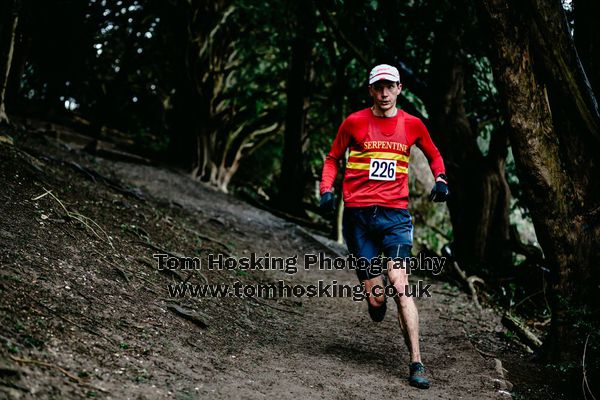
column 376, row 301
column 408, row 316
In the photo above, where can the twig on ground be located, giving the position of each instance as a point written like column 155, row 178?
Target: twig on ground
column 138, row 231
column 452, row 319
column 93, row 332
column 173, row 272
column 122, row 273
column 118, row 268
column 207, row 238
column 142, row 260
column 156, row 248
column 148, row 281
column 151, row 290
column 483, row 353
column 86, row 221
column 543, row 323
column 522, row 331
column 196, row 272
column 54, row 313
column 210, row 239
column 89, row 300
column 60, row 369
column 470, row 281
column 96, row 177
column 194, row 316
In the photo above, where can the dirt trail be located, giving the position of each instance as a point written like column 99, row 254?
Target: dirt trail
column 332, row 350
column 102, row 314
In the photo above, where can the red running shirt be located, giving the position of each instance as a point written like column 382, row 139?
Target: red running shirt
column 377, row 168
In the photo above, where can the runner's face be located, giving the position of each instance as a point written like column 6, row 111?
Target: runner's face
column 384, row 94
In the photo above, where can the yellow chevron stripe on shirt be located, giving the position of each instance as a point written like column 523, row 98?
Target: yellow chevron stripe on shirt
column 352, row 165
column 379, row 154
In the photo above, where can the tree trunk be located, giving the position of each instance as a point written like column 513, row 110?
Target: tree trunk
column 480, row 198
column 212, row 133
column 566, row 233
column 7, row 44
column 292, row 178
column 573, row 105
column 587, row 39
column 21, row 49
column 576, row 121
column 247, row 140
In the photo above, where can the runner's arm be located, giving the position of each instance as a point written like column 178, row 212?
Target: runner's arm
column 424, row 142
column 331, row 165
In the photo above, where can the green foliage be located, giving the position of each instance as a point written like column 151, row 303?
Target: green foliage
column 125, row 64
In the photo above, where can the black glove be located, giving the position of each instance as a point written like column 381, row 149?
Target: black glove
column 327, row 203
column 440, row 191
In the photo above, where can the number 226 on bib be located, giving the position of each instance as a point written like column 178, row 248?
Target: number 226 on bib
column 382, row 170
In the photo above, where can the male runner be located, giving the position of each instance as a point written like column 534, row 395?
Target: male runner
column 375, row 192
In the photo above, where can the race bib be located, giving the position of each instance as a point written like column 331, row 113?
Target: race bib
column 382, row 170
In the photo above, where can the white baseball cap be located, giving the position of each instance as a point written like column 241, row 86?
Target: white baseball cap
column 384, row 72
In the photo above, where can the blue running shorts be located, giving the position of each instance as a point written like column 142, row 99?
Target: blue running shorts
column 369, row 231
